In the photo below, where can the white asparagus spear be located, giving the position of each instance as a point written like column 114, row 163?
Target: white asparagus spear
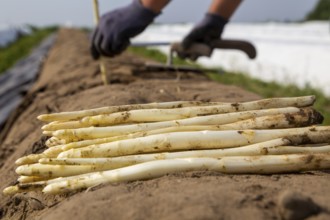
column 85, row 143
column 153, row 115
column 65, row 116
column 30, row 179
column 54, row 141
column 197, row 140
column 53, row 171
column 29, row 159
column 71, row 135
column 33, row 158
column 241, row 164
column 33, row 186
column 216, row 119
column 11, row 190
column 258, row 149
column 305, row 117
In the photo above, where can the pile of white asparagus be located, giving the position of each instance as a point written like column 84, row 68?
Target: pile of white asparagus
column 135, row 142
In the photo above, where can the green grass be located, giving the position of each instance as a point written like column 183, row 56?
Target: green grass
column 320, row 12
column 264, row 89
column 10, row 54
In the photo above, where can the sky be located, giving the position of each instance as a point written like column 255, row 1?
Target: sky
column 79, row 12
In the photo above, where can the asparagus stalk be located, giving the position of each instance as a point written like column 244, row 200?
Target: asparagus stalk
column 65, row 116
column 269, row 164
column 20, row 188
column 197, row 140
column 33, row 186
column 30, row 179
column 30, row 159
column 52, row 171
column 33, row 158
column 54, row 141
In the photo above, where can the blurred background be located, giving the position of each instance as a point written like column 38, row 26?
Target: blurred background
column 292, row 37
column 79, row 13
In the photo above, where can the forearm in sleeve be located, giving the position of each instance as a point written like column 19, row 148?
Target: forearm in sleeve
column 155, row 5
column 224, row 8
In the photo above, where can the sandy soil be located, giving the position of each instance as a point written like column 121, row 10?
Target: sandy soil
column 70, row 81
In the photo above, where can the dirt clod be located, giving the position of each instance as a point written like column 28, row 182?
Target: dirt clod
column 35, row 204
column 295, row 206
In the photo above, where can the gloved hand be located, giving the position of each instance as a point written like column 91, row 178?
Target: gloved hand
column 112, row 36
column 209, row 29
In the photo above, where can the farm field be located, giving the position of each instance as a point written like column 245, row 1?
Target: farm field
column 70, row 80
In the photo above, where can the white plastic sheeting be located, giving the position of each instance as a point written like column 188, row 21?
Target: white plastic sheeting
column 290, row 53
column 9, row 34
column 15, row 82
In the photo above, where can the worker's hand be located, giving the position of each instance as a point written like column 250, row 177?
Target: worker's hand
column 209, row 29
column 112, row 35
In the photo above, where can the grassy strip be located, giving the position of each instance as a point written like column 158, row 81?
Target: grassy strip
column 22, row 47
column 320, row 12
column 265, row 89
